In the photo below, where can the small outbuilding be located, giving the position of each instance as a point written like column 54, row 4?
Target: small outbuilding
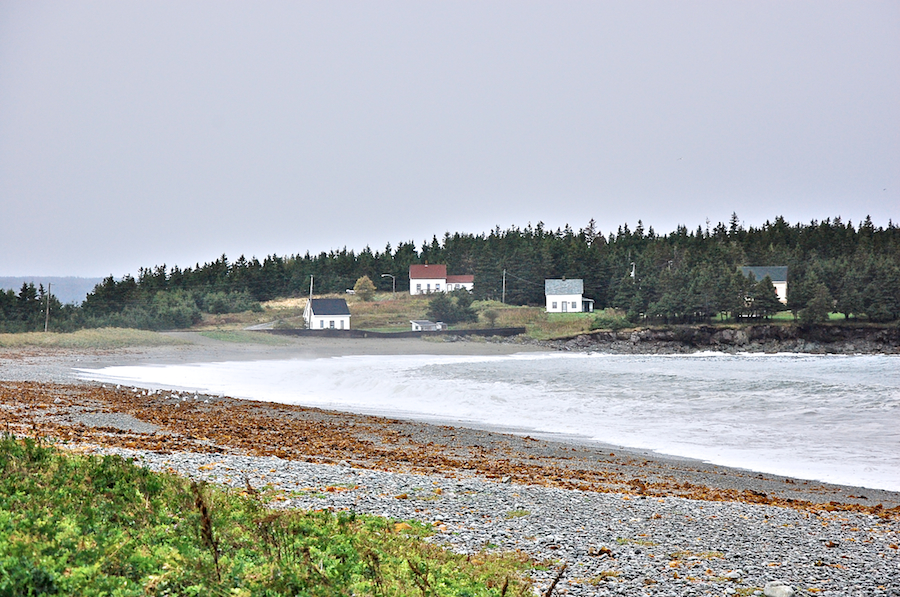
column 423, row 325
column 777, row 273
column 327, row 313
column 567, row 296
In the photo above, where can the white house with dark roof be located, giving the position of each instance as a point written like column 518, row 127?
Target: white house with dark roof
column 327, row 314
column 777, row 273
column 425, row 279
column 566, row 296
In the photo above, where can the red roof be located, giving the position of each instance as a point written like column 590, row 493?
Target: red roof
column 430, row 272
column 464, row 279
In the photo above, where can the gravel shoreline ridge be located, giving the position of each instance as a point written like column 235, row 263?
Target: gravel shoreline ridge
column 611, row 544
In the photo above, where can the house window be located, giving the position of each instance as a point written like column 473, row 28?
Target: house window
column 554, row 305
column 428, row 288
column 437, row 287
column 418, row 289
column 574, row 305
column 321, row 323
column 331, row 324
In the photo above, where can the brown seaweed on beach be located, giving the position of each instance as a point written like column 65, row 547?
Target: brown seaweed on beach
column 225, row 425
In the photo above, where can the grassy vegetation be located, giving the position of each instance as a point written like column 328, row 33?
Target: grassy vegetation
column 787, row 316
column 243, row 337
column 88, row 338
column 383, row 313
column 285, row 309
column 517, row 514
column 76, row 525
column 386, row 313
column 389, row 313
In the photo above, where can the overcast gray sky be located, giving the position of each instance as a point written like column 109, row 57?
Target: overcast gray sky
column 147, row 132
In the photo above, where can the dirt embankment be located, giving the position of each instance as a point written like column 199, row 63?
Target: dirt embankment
column 817, row 339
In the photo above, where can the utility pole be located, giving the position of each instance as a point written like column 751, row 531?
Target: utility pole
column 47, row 315
column 308, row 309
column 503, row 295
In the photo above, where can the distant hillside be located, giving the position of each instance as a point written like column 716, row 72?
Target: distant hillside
column 67, row 289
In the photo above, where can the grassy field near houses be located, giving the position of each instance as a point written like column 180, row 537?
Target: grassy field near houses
column 392, row 313
column 384, row 313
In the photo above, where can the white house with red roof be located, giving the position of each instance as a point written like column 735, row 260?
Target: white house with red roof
column 425, row 279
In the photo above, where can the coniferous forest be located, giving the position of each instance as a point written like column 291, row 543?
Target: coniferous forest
column 685, row 276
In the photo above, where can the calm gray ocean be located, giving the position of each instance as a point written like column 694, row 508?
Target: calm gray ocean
column 825, row 417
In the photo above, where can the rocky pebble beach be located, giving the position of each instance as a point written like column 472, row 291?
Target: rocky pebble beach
column 610, row 544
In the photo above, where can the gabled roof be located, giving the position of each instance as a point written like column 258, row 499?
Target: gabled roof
column 325, row 306
column 461, row 279
column 575, row 286
column 777, row 273
column 428, row 272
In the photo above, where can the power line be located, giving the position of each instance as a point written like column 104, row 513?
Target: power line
column 523, row 279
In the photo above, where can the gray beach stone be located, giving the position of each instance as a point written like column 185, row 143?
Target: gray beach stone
column 778, row 588
column 594, row 534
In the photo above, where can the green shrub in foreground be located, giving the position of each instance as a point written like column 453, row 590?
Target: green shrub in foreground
column 73, row 525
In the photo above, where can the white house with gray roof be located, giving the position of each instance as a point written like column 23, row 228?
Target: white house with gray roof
column 777, row 273
column 566, row 296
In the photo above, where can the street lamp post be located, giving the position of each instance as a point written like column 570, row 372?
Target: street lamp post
column 393, row 284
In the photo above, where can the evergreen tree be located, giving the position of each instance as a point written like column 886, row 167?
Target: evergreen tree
column 765, row 298
column 819, row 306
column 451, row 308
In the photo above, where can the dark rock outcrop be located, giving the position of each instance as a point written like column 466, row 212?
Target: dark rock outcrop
column 820, row 339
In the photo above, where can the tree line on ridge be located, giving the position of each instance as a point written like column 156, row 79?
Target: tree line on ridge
column 685, row 276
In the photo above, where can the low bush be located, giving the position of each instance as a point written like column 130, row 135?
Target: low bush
column 228, row 302
column 88, row 525
column 610, row 319
column 454, row 307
